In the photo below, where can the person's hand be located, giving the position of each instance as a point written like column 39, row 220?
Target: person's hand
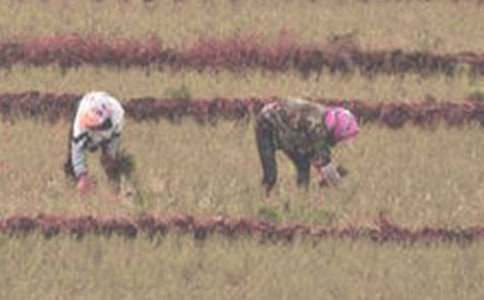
column 322, row 180
column 330, row 176
column 85, row 184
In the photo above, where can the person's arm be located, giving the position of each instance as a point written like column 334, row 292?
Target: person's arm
column 84, row 183
column 78, row 156
column 112, row 146
column 328, row 173
column 110, row 158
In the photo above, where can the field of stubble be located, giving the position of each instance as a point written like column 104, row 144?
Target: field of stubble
column 412, row 176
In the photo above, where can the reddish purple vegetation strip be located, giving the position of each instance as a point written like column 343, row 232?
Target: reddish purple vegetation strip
column 235, row 54
column 53, row 107
column 201, row 228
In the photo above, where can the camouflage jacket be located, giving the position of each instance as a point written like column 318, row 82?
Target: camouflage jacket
column 299, row 127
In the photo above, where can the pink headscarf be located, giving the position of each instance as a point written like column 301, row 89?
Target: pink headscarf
column 341, row 123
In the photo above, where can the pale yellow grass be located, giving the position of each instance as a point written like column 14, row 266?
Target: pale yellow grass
column 176, row 267
column 447, row 26
column 414, row 177
column 131, row 83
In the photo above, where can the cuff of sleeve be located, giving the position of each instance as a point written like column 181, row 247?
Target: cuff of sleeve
column 81, row 173
column 331, row 173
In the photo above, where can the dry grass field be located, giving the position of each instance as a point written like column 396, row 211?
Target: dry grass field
column 416, row 177
column 176, row 267
column 139, row 83
column 446, row 26
column 412, row 176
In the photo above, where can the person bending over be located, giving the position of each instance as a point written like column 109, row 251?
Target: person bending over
column 98, row 123
column 306, row 132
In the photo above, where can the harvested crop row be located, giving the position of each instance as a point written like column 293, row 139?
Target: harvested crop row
column 235, row 54
column 200, row 228
column 54, row 107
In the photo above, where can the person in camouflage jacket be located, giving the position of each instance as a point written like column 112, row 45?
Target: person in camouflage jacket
column 305, row 131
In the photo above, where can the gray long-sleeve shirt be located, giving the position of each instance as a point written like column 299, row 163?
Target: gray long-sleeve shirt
column 87, row 139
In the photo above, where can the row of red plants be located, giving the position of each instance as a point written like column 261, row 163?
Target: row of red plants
column 54, row 107
column 382, row 231
column 235, row 54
